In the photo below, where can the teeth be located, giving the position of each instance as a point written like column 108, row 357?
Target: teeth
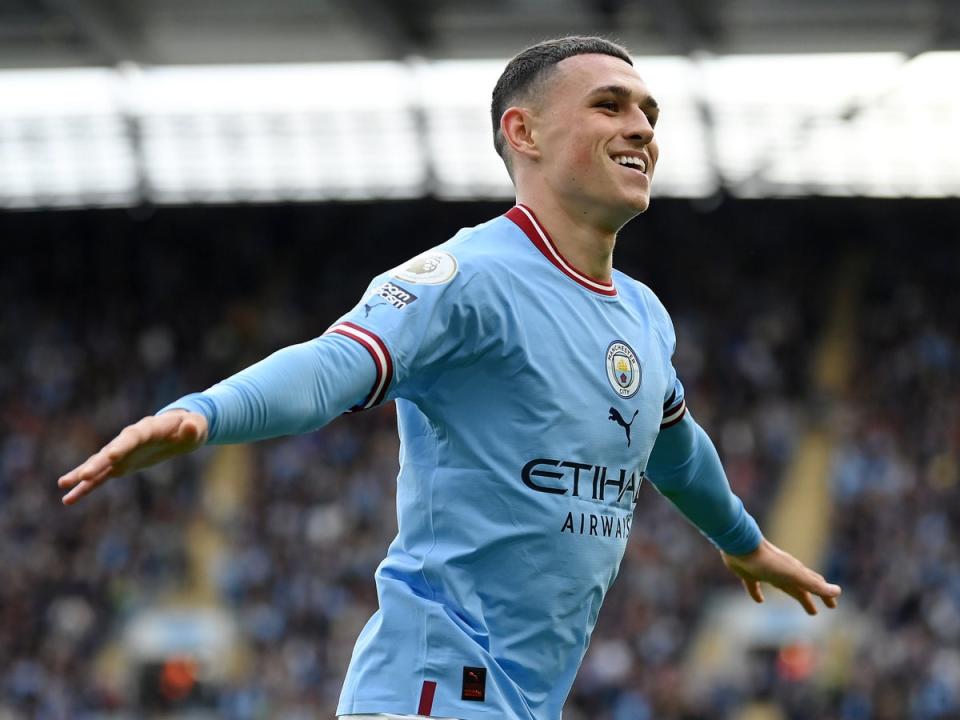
column 629, row 160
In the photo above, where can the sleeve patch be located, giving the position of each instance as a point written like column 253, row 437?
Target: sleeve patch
column 434, row 267
column 381, row 359
column 388, row 294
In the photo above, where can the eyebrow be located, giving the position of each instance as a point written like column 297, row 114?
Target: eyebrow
column 625, row 93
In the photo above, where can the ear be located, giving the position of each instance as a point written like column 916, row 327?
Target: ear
column 516, row 124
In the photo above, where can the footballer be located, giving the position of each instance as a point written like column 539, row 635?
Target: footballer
column 535, row 393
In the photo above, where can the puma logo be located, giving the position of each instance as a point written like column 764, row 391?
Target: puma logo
column 618, row 419
column 367, row 308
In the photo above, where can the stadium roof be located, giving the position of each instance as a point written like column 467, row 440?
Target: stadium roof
column 123, row 102
column 58, row 33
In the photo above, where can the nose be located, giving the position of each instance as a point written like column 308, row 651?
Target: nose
column 638, row 128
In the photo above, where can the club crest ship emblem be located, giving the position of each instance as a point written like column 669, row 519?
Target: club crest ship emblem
column 623, row 369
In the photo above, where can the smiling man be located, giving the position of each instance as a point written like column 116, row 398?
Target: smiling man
column 515, row 353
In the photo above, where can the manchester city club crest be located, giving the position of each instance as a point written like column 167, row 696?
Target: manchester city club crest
column 623, row 369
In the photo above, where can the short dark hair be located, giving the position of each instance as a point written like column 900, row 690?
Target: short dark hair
column 527, row 71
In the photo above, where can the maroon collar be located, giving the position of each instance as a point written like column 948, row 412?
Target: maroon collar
column 524, row 218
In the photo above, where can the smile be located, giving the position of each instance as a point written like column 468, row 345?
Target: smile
column 634, row 163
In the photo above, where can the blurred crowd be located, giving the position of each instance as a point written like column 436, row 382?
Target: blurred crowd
column 106, row 318
column 896, row 484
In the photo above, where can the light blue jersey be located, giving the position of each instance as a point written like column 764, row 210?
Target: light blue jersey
column 530, row 398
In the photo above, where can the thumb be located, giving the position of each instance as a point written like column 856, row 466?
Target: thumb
column 188, row 431
column 192, row 429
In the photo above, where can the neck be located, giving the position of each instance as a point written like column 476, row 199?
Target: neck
column 578, row 235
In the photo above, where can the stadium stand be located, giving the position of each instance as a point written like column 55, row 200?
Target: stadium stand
column 106, row 315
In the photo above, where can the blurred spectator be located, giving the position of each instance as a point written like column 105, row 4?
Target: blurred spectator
column 103, row 320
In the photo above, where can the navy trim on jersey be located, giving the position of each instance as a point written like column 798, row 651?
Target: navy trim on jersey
column 669, row 401
column 674, row 414
column 524, row 218
column 381, row 359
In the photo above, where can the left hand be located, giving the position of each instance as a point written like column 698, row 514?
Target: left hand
column 770, row 564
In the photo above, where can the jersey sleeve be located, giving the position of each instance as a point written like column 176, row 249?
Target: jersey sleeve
column 674, row 402
column 686, row 469
column 294, row 390
column 415, row 320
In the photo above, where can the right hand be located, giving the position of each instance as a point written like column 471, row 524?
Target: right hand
column 152, row 440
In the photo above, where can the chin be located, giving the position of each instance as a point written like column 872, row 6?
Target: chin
column 639, row 204
column 627, row 212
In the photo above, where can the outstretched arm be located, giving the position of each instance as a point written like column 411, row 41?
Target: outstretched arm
column 297, row 389
column 685, row 468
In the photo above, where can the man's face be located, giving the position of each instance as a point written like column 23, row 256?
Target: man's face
column 594, row 128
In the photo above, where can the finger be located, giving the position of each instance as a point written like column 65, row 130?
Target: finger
column 101, row 461
column 83, row 476
column 753, row 590
column 68, row 480
column 830, row 602
column 129, row 438
column 90, row 467
column 84, row 487
column 824, row 589
column 805, row 599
